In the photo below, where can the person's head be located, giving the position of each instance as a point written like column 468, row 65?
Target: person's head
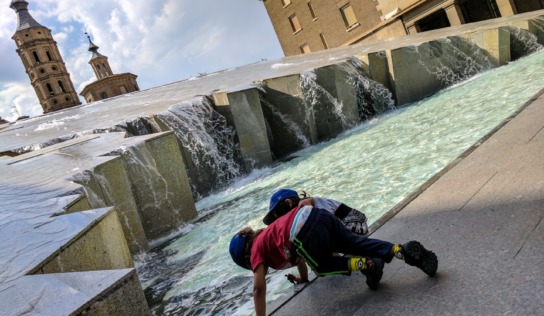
column 281, row 202
column 240, row 247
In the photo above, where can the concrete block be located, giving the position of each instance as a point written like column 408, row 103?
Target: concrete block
column 108, row 292
column 376, row 67
column 81, row 203
column 160, row 185
column 527, row 36
column 125, row 298
column 107, row 185
column 496, row 42
column 407, row 63
column 248, row 120
column 335, row 94
column 291, row 119
column 99, row 247
column 206, row 141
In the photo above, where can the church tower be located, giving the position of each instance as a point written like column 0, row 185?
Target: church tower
column 42, row 61
column 107, row 84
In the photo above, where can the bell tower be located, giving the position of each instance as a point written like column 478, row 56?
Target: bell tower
column 42, row 61
column 107, row 83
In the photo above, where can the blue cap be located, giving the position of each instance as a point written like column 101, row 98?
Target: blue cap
column 237, row 250
column 276, row 198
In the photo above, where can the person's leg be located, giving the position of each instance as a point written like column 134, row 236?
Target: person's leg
column 313, row 243
column 345, row 241
column 413, row 252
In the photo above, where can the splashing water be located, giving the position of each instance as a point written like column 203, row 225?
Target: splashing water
column 373, row 98
column 452, row 60
column 315, row 95
column 371, row 168
column 291, row 125
column 523, row 43
column 208, row 140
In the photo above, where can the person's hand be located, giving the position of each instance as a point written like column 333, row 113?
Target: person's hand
column 295, row 279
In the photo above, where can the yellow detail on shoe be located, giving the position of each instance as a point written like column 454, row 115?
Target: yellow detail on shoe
column 397, row 252
column 357, row 264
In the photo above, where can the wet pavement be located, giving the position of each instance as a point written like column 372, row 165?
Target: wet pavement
column 482, row 216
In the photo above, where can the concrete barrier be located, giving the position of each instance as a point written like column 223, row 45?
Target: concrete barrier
column 108, row 184
column 245, row 111
column 111, row 292
column 101, row 246
column 496, row 42
column 334, row 93
column 291, row 119
column 159, row 184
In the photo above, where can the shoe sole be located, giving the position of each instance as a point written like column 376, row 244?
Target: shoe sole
column 373, row 279
column 424, row 259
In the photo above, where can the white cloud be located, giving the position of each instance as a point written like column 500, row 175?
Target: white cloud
column 161, row 41
column 22, row 98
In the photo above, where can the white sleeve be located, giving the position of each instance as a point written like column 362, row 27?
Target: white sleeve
column 326, row 204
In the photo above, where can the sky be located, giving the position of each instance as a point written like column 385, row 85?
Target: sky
column 161, row 41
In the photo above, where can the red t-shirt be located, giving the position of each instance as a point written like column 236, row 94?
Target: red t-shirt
column 272, row 246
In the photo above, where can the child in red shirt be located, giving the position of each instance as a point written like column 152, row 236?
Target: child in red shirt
column 312, row 235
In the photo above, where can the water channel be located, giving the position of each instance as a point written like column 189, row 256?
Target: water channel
column 370, row 167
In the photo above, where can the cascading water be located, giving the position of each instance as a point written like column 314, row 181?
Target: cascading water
column 452, row 60
column 373, row 98
column 371, row 168
column 289, row 124
column 208, row 141
column 315, row 95
column 523, row 43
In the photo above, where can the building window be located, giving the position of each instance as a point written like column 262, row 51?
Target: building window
column 48, row 56
column 123, row 89
column 61, row 86
column 305, row 49
column 49, row 89
column 348, row 15
column 312, row 12
column 295, row 25
column 99, row 72
column 36, row 58
column 285, row 2
column 323, row 40
column 104, row 95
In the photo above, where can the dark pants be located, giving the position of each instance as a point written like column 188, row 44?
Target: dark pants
column 323, row 233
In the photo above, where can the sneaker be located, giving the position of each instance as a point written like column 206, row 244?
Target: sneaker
column 374, row 272
column 414, row 254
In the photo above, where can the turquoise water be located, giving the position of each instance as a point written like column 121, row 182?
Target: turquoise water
column 371, row 168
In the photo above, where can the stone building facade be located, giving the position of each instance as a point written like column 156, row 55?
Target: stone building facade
column 107, row 84
column 43, row 62
column 303, row 26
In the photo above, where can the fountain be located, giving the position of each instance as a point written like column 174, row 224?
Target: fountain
column 84, row 189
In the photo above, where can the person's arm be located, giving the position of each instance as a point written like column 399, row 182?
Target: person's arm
column 259, row 290
column 308, row 201
column 302, row 271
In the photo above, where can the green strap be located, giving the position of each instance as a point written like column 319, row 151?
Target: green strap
column 311, row 262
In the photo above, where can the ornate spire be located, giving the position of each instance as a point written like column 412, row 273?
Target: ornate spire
column 93, row 48
column 24, row 19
